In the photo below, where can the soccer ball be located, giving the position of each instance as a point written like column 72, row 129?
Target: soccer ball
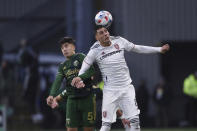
column 103, row 18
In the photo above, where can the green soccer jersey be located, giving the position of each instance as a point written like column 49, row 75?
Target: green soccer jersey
column 68, row 70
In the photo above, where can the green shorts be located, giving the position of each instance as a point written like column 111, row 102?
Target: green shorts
column 81, row 112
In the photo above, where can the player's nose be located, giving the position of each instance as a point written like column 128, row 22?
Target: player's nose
column 106, row 34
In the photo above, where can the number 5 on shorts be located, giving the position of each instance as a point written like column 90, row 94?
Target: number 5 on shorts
column 90, row 116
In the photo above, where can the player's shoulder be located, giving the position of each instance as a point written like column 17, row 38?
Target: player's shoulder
column 80, row 54
column 95, row 46
column 115, row 37
column 62, row 64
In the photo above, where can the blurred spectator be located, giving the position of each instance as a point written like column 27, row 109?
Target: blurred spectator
column 162, row 99
column 6, row 80
column 7, row 88
column 47, row 77
column 142, row 98
column 190, row 90
column 28, row 59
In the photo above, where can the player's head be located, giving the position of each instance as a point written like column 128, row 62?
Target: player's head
column 102, row 35
column 67, row 46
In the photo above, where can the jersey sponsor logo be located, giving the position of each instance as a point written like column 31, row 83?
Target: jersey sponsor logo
column 109, row 54
column 116, row 46
column 76, row 63
column 72, row 72
column 104, row 114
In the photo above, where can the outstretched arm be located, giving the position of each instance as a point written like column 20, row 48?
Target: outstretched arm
column 149, row 49
column 129, row 46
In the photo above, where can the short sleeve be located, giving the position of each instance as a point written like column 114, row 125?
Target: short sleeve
column 128, row 46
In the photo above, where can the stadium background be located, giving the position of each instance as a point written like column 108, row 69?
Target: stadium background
column 143, row 22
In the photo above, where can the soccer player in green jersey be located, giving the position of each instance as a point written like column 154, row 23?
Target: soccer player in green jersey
column 80, row 102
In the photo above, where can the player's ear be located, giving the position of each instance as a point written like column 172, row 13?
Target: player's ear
column 96, row 36
column 73, row 47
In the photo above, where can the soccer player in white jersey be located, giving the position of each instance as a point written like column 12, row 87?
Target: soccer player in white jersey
column 118, row 91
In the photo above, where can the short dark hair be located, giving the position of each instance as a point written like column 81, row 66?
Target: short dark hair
column 66, row 40
column 97, row 27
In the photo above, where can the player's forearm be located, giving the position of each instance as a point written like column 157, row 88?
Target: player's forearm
column 146, row 49
column 56, row 85
column 85, row 66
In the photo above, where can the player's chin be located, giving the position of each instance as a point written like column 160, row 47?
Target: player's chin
column 67, row 55
column 107, row 42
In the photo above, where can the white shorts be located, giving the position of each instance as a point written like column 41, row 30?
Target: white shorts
column 119, row 99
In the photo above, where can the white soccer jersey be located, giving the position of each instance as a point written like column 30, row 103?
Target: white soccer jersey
column 111, row 62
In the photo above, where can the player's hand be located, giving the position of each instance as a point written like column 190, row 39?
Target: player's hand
column 75, row 81
column 49, row 100
column 80, row 84
column 126, row 122
column 54, row 104
column 165, row 48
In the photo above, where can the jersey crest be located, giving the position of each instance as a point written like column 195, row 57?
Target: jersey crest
column 76, row 63
column 116, row 46
column 104, row 114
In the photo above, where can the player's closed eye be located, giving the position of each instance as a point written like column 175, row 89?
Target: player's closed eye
column 101, row 32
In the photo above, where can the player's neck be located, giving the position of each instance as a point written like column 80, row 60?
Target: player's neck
column 106, row 44
column 68, row 57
